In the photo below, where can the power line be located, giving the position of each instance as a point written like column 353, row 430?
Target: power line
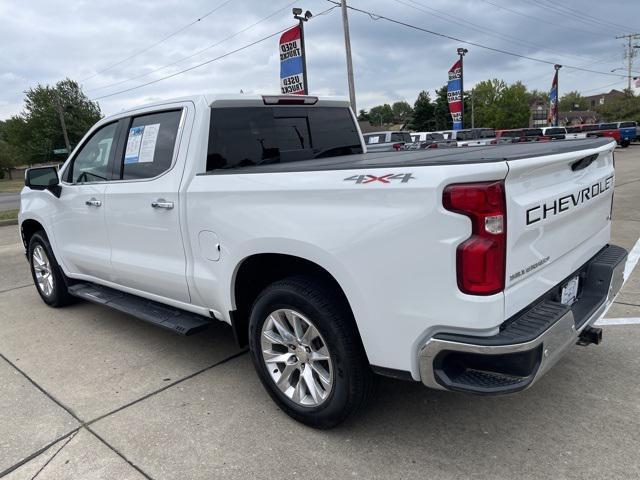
column 120, row 82
column 538, row 19
column 162, row 40
column 479, row 28
column 376, row 16
column 207, row 61
column 580, row 16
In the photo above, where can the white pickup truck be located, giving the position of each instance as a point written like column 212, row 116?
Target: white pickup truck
column 471, row 270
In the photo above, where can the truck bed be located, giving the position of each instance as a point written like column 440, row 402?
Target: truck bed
column 455, row 156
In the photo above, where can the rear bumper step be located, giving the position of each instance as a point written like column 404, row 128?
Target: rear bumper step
column 174, row 319
column 529, row 343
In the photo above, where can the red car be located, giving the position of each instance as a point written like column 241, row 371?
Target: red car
column 602, row 130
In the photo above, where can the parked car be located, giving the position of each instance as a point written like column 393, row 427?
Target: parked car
column 386, row 141
column 574, row 132
column 520, row 135
column 599, row 130
column 514, row 135
column 471, row 271
column 428, row 140
column 473, row 137
column 628, row 133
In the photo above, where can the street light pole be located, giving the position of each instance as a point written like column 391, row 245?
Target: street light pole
column 347, row 46
column 297, row 14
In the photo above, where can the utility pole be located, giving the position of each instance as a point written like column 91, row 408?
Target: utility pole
column 297, row 14
column 630, row 54
column 473, row 117
column 347, row 46
column 63, row 124
column 462, row 52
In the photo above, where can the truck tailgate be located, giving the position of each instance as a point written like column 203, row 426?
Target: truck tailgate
column 558, row 217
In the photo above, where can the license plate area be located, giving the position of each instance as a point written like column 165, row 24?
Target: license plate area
column 569, row 291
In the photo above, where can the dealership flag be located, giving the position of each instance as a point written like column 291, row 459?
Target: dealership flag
column 553, row 107
column 291, row 76
column 454, row 94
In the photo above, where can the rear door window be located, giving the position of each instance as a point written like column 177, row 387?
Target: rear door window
column 150, row 144
column 608, row 126
column 627, row 124
column 554, row 131
column 250, row 136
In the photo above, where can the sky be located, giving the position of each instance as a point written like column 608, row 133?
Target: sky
column 100, row 43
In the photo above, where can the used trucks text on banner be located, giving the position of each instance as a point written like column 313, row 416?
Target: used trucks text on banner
column 454, row 94
column 291, row 66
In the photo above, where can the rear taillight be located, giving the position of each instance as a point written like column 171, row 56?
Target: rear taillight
column 481, row 258
column 397, row 146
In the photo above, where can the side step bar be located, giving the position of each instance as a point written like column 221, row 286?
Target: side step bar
column 174, row 319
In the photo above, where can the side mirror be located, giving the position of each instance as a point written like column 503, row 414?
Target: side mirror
column 43, row 178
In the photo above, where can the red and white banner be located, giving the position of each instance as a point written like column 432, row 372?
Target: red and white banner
column 291, row 70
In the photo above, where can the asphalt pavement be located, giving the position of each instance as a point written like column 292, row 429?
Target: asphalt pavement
column 9, row 201
column 90, row 393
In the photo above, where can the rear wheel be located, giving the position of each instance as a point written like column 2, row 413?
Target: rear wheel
column 625, row 143
column 47, row 274
column 307, row 352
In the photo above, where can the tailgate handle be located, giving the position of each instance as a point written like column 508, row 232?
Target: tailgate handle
column 583, row 162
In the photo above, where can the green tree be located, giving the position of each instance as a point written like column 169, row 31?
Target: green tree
column 363, row 115
column 513, row 107
column 441, row 116
column 37, row 131
column 625, row 107
column 10, row 156
column 572, row 101
column 402, row 112
column 423, row 113
column 486, row 97
column 381, row 114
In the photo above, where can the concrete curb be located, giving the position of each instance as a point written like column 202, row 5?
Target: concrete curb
column 4, row 223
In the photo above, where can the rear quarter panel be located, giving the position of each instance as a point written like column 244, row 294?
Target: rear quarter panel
column 391, row 246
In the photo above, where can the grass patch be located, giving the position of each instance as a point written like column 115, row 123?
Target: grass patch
column 9, row 214
column 11, row 186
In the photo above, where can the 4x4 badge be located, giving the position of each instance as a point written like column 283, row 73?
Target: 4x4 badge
column 362, row 179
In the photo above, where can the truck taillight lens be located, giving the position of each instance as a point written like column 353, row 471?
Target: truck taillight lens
column 481, row 258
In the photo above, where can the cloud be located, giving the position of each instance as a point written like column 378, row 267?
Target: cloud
column 44, row 41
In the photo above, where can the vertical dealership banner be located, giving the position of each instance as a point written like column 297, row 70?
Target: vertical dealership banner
column 454, row 94
column 553, row 106
column 291, row 67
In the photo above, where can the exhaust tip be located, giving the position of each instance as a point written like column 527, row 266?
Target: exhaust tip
column 590, row 335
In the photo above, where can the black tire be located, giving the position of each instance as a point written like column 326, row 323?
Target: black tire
column 625, row 143
column 59, row 295
column 318, row 301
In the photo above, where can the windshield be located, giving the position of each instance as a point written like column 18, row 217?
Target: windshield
column 487, row 133
column 533, row 132
column 401, row 137
column 628, row 124
column 511, row 133
column 247, row 136
column 554, row 131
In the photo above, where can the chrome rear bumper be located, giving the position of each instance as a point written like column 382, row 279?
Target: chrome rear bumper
column 528, row 346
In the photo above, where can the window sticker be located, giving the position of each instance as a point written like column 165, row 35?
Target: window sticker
column 374, row 139
column 148, row 144
column 131, row 155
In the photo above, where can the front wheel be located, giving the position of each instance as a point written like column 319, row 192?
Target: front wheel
column 306, row 350
column 47, row 274
column 625, row 143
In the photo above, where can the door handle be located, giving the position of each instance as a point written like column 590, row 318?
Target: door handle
column 162, row 203
column 93, row 203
